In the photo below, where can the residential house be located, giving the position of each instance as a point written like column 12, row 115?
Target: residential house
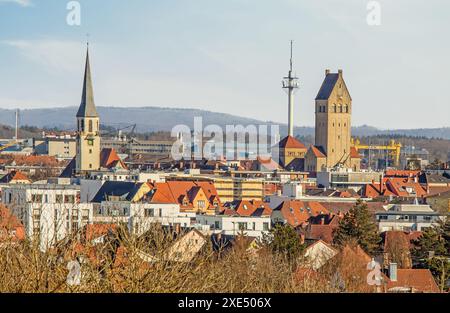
column 318, row 253
column 296, row 212
column 406, row 217
column 248, row 219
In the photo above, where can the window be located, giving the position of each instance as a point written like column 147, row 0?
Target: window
column 149, row 213
column 69, row 199
column 265, row 226
column 36, row 198
column 90, row 126
column 201, row 204
column 216, row 225
column 242, row 226
column 82, row 125
column 254, row 226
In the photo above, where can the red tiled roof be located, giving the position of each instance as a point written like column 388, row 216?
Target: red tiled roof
column 395, row 186
column 318, row 152
column 296, row 212
column 420, row 280
column 10, row 226
column 291, row 143
column 94, row 231
column 320, row 232
column 13, row 176
column 354, row 154
column 175, row 191
column 33, row 160
column 246, row 208
column 110, row 159
column 401, row 173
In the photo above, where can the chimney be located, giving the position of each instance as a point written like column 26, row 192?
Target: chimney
column 381, row 184
column 327, row 71
column 393, row 271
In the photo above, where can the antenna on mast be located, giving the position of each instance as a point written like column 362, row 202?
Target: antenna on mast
column 291, row 56
column 290, row 83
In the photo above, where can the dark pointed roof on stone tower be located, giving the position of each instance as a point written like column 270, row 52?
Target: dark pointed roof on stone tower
column 87, row 106
column 327, row 86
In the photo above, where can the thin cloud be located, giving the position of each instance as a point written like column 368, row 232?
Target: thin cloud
column 22, row 3
column 54, row 55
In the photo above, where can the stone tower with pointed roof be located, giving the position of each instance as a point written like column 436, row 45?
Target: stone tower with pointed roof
column 88, row 127
column 333, row 127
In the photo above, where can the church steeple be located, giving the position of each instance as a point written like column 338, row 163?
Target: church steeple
column 88, row 126
column 87, row 106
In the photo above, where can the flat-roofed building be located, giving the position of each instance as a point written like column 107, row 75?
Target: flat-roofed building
column 49, row 212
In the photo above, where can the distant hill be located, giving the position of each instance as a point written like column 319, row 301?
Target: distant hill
column 152, row 119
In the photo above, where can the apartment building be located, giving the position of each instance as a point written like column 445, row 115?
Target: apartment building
column 407, row 217
column 233, row 224
column 139, row 217
column 49, row 212
column 233, row 188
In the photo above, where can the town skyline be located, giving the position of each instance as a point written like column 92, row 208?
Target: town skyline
column 212, row 67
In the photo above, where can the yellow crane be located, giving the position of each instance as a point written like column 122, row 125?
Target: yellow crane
column 393, row 147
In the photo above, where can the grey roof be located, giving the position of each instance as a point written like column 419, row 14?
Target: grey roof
column 436, row 178
column 87, row 106
column 124, row 190
column 69, row 170
column 327, row 86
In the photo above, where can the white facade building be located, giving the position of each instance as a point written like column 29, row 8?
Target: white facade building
column 49, row 212
column 252, row 226
column 139, row 216
column 407, row 217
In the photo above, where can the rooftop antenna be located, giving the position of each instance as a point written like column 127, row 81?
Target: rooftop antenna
column 291, row 84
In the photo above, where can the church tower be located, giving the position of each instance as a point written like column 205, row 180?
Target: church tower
column 333, row 127
column 88, row 127
column 333, row 119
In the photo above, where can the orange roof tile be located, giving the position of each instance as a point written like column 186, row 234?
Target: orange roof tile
column 419, row 279
column 14, row 176
column 291, row 143
column 94, row 231
column 354, row 154
column 296, row 212
column 176, row 191
column 10, row 226
column 318, row 152
column 110, row 159
column 246, row 208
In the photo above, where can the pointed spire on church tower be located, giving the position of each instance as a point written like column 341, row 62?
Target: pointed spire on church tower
column 87, row 106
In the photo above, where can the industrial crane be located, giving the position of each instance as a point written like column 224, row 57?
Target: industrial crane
column 394, row 148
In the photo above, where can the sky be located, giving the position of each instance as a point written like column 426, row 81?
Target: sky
column 230, row 56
